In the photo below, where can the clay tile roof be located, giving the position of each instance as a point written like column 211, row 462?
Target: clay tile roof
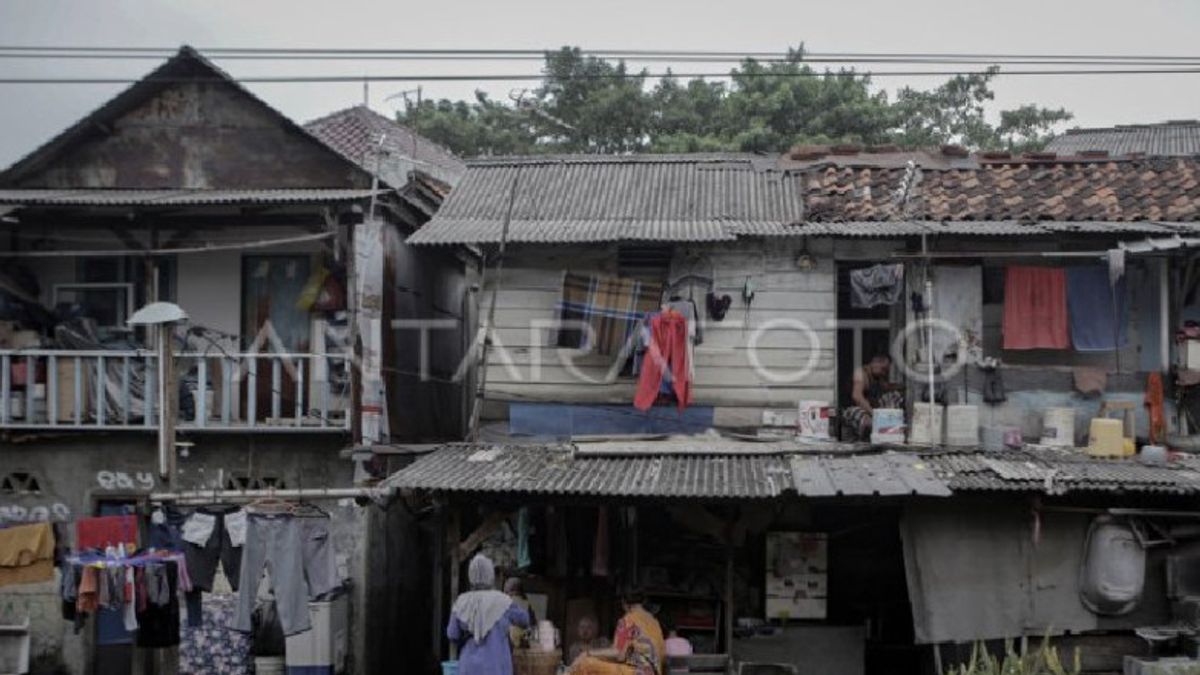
column 1041, row 187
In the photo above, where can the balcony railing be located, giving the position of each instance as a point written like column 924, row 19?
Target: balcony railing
column 113, row 389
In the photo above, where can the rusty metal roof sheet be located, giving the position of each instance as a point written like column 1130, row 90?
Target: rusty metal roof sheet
column 1169, row 138
column 104, row 197
column 606, row 198
column 723, row 471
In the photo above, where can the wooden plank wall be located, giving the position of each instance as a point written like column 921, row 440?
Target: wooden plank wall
column 527, row 367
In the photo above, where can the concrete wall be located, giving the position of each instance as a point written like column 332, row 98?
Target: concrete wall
column 75, row 472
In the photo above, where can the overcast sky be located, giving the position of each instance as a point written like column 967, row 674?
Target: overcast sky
column 31, row 114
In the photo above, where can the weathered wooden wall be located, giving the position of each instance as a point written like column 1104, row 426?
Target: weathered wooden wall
column 527, row 367
column 197, row 135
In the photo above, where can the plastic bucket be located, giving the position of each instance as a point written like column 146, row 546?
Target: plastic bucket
column 962, row 425
column 887, row 425
column 813, row 419
column 993, row 438
column 919, row 429
column 269, row 665
column 449, row 667
column 1058, row 427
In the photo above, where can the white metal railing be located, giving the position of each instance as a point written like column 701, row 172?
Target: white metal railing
column 91, row 389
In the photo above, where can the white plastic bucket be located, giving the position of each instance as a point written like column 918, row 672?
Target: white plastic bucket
column 919, row 432
column 268, row 665
column 1058, row 427
column 962, row 425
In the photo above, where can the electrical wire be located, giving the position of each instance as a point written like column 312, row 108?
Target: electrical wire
column 540, row 53
column 519, row 77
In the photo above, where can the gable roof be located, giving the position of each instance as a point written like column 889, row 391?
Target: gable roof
column 356, row 133
column 1174, row 138
column 185, row 66
column 700, row 197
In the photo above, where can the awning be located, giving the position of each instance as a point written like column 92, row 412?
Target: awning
column 724, row 471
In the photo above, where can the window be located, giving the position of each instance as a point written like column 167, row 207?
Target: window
column 245, row 482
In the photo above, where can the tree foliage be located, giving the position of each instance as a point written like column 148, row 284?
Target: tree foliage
column 586, row 104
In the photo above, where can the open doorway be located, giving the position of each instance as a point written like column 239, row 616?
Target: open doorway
column 862, row 331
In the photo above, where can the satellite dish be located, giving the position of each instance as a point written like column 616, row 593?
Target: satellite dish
column 157, row 313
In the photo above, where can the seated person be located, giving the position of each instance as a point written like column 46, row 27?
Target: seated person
column 869, row 390
column 517, row 635
column 588, row 636
column 638, row 647
column 676, row 646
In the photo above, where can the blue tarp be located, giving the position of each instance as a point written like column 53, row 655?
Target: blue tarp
column 558, row 420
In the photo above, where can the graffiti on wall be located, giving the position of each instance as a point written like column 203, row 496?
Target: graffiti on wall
column 39, row 513
column 120, row 480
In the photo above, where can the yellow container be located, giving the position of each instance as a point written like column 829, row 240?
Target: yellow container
column 1106, row 438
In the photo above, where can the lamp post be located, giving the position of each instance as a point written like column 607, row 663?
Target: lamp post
column 163, row 316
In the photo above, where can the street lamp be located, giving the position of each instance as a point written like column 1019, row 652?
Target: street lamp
column 163, row 316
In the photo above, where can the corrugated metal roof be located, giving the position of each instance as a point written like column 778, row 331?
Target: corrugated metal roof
column 1169, row 139
column 1058, row 472
column 103, row 197
column 889, row 474
column 709, row 469
column 555, row 470
column 595, row 198
column 724, row 471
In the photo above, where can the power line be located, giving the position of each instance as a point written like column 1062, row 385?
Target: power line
column 808, row 59
column 517, row 77
column 602, row 52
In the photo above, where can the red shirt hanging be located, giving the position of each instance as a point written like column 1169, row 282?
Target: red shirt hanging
column 668, row 349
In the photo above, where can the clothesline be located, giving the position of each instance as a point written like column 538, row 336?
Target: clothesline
column 106, row 561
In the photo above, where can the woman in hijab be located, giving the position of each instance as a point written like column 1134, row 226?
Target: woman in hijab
column 479, row 623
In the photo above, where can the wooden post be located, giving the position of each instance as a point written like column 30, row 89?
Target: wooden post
column 439, row 566
column 727, row 614
column 452, row 539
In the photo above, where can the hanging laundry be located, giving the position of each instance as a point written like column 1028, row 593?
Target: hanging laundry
column 958, row 301
column 601, row 313
column 299, row 555
column 668, row 351
column 1099, row 312
column 212, row 536
column 104, row 531
column 26, row 554
column 877, row 285
column 1035, row 308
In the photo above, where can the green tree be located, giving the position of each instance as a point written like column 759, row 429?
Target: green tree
column 591, row 105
